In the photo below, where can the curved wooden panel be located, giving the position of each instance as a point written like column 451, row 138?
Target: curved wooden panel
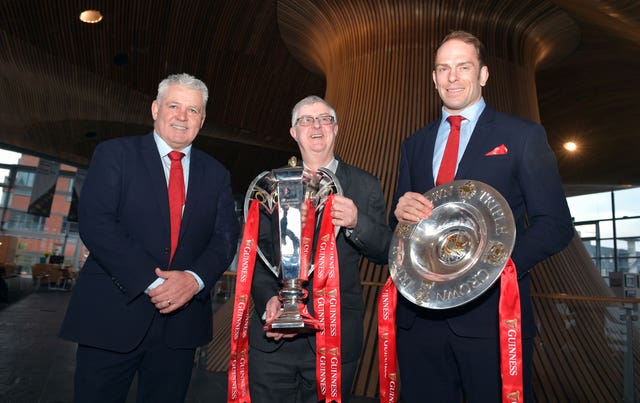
column 377, row 59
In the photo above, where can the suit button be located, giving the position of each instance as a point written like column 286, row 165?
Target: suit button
column 166, row 251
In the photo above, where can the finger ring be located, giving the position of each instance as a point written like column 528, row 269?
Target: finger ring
column 168, row 302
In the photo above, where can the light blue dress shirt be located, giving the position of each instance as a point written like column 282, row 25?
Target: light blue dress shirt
column 471, row 115
column 164, row 150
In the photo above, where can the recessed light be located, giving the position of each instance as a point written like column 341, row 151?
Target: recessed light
column 570, row 146
column 91, row 16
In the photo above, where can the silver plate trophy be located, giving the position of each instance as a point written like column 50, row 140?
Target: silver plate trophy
column 457, row 253
column 287, row 197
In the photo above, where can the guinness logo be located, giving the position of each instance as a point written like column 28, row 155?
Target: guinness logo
column 514, row 396
column 511, row 323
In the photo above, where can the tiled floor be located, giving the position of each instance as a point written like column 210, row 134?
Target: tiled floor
column 37, row 367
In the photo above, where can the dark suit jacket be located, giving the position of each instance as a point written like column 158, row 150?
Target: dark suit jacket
column 527, row 177
column 124, row 222
column 370, row 238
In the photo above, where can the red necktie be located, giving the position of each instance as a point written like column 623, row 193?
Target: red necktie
column 450, row 157
column 176, row 197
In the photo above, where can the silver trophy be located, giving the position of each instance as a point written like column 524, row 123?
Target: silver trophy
column 459, row 252
column 292, row 201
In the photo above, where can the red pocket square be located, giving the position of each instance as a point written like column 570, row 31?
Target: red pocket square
column 500, row 150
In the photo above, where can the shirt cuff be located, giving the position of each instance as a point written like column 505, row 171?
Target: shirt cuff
column 198, row 279
column 153, row 285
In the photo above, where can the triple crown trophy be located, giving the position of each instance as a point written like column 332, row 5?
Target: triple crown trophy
column 292, row 200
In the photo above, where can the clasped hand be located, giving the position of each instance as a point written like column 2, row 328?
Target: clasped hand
column 175, row 292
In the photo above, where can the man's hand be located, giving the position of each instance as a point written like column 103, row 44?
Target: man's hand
column 344, row 212
column 413, row 207
column 176, row 291
column 273, row 310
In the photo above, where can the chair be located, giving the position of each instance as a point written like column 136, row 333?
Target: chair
column 51, row 274
column 67, row 278
column 40, row 274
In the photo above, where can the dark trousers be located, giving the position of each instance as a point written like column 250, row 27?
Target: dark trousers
column 106, row 376
column 437, row 365
column 289, row 374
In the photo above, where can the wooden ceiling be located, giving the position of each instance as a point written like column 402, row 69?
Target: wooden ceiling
column 66, row 85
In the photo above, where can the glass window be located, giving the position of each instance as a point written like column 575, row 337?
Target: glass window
column 627, row 228
column 4, row 176
column 606, row 229
column 587, row 230
column 595, row 206
column 21, row 221
column 626, row 202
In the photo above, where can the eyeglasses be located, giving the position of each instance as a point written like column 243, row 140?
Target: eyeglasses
column 308, row 120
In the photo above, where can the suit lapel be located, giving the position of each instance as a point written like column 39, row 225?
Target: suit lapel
column 427, row 161
column 475, row 150
column 153, row 164
column 196, row 176
column 343, row 175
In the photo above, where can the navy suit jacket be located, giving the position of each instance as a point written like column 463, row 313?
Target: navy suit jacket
column 369, row 238
column 124, row 222
column 527, row 177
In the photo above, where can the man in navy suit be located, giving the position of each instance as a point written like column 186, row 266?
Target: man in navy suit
column 282, row 367
column 141, row 306
column 446, row 354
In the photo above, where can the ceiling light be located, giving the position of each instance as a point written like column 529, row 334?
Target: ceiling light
column 570, row 146
column 91, row 16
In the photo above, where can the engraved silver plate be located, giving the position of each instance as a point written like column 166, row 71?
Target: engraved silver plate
column 457, row 253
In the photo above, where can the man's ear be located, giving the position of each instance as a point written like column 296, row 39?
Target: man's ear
column 154, row 109
column 484, row 75
column 293, row 134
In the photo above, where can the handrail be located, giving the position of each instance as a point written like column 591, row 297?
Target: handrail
column 586, row 298
column 533, row 294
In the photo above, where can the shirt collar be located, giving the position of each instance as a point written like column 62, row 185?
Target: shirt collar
column 164, row 148
column 470, row 113
column 331, row 166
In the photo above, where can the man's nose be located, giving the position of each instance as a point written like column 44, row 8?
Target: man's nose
column 182, row 114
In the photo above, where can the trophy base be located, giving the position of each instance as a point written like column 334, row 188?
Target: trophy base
column 297, row 323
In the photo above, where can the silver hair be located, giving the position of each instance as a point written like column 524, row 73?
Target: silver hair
column 311, row 99
column 184, row 80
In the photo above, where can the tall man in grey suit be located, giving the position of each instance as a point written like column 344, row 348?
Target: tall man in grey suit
column 282, row 367
column 444, row 354
column 142, row 303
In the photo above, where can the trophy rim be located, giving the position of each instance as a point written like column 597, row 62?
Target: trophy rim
column 457, row 254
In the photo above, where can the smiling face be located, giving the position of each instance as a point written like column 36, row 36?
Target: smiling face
column 458, row 76
column 178, row 116
column 316, row 141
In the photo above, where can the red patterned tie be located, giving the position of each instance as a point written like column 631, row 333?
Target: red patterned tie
column 176, row 197
column 450, row 157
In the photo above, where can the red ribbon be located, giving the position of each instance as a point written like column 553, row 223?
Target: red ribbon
column 387, row 360
column 238, row 376
column 510, row 335
column 510, row 331
column 308, row 229
column 326, row 303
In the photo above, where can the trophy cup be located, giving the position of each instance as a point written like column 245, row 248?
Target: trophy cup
column 292, row 198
